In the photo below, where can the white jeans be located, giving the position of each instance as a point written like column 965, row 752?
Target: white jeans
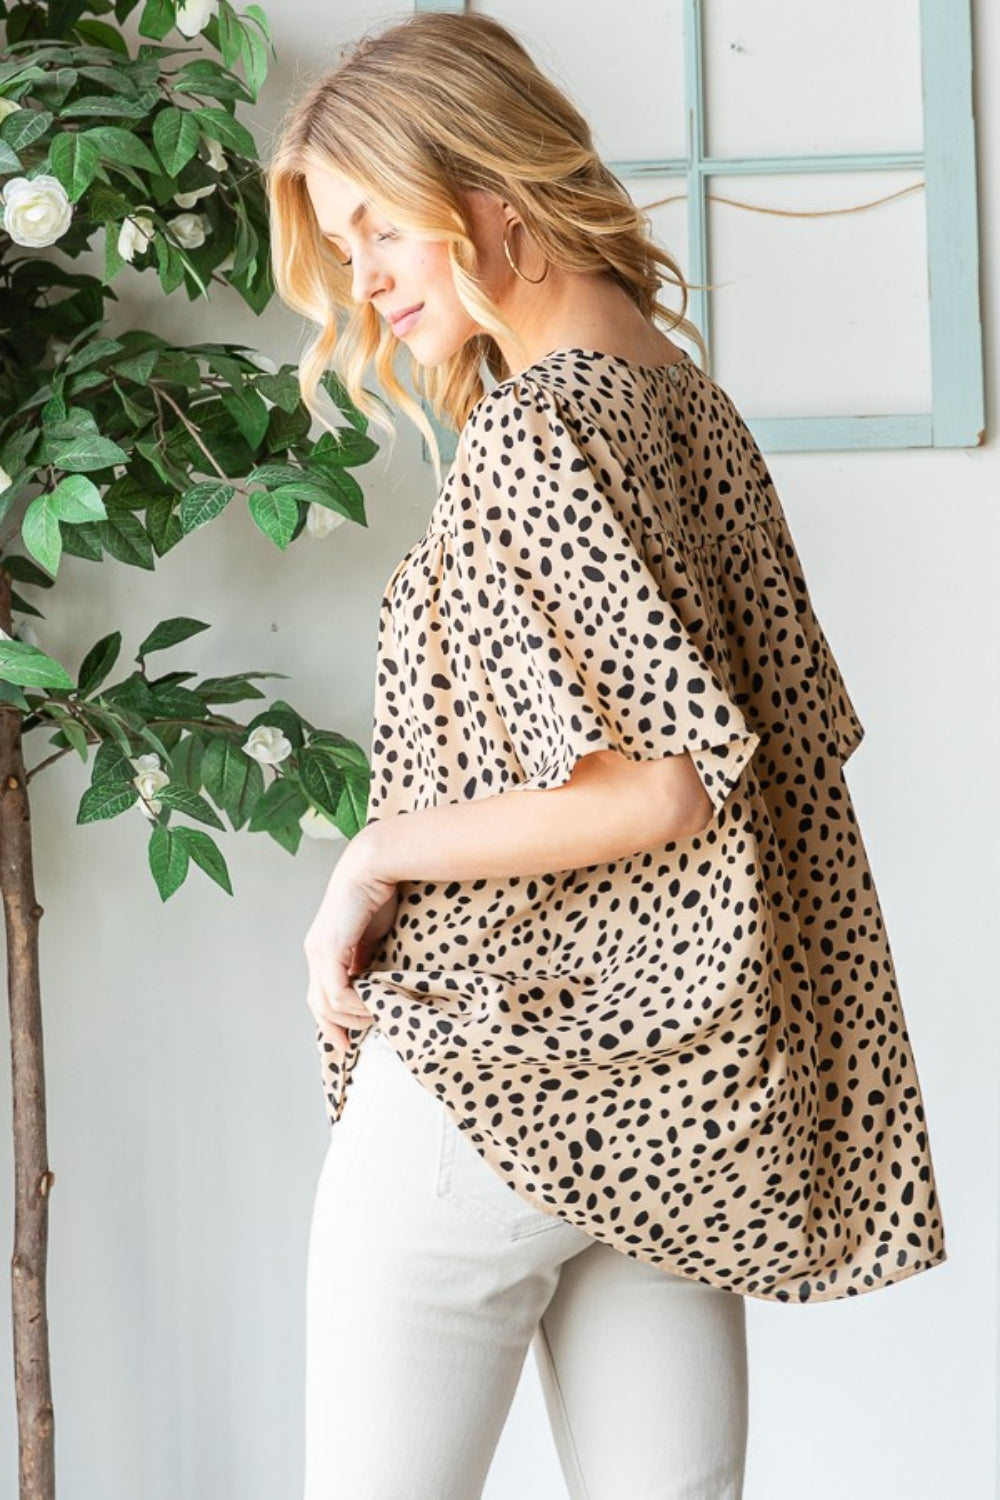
column 428, row 1280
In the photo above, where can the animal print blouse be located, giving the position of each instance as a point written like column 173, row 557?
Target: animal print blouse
column 696, row 1054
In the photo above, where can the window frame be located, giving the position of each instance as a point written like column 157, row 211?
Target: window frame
column 948, row 161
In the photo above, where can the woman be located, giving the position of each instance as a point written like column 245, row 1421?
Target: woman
column 605, row 970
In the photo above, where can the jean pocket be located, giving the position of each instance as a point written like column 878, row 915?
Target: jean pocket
column 476, row 1187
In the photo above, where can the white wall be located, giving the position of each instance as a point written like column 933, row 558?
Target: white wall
column 186, row 1124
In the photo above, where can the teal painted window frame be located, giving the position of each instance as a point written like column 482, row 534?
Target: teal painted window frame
column 948, row 162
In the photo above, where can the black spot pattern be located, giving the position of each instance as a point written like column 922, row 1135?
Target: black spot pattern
column 698, row 1054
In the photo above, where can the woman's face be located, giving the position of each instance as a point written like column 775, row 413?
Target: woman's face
column 392, row 269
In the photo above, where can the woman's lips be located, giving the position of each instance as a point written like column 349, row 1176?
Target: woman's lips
column 404, row 324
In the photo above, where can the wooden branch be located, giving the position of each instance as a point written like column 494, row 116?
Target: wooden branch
column 32, row 1177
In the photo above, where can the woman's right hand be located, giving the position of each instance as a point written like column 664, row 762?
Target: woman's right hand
column 358, row 908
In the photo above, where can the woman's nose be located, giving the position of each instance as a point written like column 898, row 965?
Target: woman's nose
column 368, row 280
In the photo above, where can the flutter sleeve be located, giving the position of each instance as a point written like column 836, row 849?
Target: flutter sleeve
column 568, row 590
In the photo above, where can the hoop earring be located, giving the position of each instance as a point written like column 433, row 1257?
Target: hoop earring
column 510, row 261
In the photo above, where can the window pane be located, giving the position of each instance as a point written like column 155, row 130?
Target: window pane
column 824, row 316
column 625, row 75
column 783, row 80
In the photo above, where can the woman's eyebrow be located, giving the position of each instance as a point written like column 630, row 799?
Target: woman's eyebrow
column 357, row 215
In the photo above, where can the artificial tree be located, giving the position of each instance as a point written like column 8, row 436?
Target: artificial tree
column 116, row 450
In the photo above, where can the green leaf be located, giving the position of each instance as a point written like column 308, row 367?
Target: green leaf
column 111, row 763
column 70, row 729
column 26, row 666
column 41, row 535
column 113, row 261
column 349, row 497
column 131, row 694
column 11, row 694
column 283, row 802
column 10, row 162
column 185, row 762
column 53, row 414
column 139, row 416
column 275, row 514
column 158, row 18
column 22, row 606
column 345, row 449
column 168, row 860
column 254, row 54
column 83, row 541
column 289, row 836
column 245, row 247
column 74, row 160
column 202, row 76
column 322, row 779
column 77, row 499
column 138, row 367
column 85, row 381
column 16, row 446
column 282, row 388
column 176, row 137
column 229, row 34
column 154, row 452
column 86, row 452
column 92, row 353
column 227, row 446
column 274, row 475
column 116, row 145
column 13, row 491
column 203, row 502
column 182, row 799
column 174, row 702
column 107, row 203
column 170, row 633
column 231, row 370
column 220, row 125
column 106, row 799
column 232, row 779
column 233, row 689
column 170, row 264
column 123, row 79
column 102, row 106
column 64, row 423
column 338, row 393
column 24, row 126
column 307, row 493
column 344, row 751
column 249, row 412
column 204, row 851
column 148, row 736
column 25, row 571
column 112, row 727
column 173, row 678
column 55, row 87
column 286, row 428
column 103, row 35
column 21, row 70
column 179, row 368
column 125, row 538
column 256, row 14
column 98, row 663
column 163, row 525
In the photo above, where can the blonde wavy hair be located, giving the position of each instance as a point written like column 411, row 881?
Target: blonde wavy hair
column 434, row 106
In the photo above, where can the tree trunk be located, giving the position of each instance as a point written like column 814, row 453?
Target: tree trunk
column 32, row 1178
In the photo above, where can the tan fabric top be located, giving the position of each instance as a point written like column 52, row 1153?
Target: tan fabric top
column 696, row 1054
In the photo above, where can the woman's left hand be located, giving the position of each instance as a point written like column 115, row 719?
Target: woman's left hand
column 358, row 908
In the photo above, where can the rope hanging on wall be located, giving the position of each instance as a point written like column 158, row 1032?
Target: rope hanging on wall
column 790, row 213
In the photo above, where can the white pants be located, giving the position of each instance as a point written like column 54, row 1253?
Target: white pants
column 428, row 1280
